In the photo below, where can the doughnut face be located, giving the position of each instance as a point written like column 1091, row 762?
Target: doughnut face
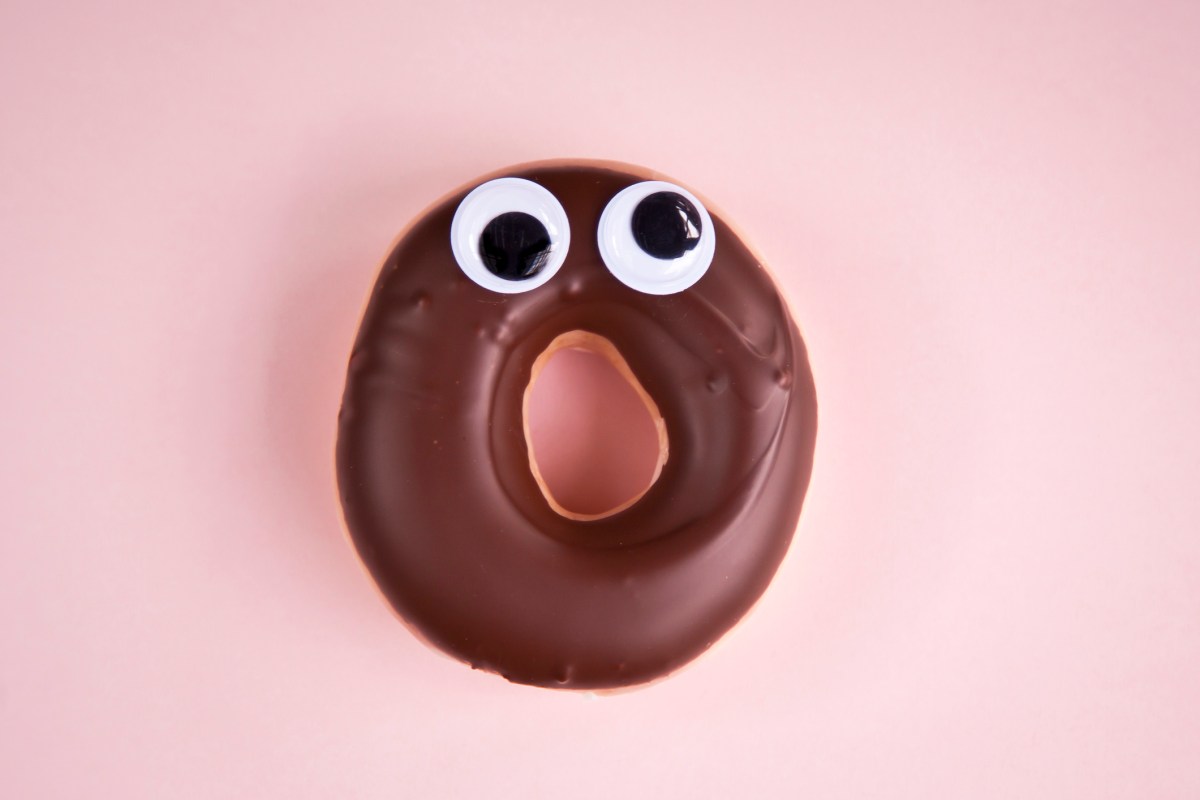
column 438, row 492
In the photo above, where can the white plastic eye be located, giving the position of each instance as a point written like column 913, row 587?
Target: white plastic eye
column 510, row 235
column 656, row 237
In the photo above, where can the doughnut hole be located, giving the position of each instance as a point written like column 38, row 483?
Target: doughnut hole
column 596, row 439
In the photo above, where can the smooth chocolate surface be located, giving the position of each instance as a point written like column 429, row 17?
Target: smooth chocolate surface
column 434, row 474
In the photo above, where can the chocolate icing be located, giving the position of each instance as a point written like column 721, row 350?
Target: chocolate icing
column 433, row 467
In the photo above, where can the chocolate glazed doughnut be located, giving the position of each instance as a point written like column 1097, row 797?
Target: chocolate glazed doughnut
column 440, row 494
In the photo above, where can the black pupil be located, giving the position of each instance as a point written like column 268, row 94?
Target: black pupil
column 666, row 225
column 515, row 246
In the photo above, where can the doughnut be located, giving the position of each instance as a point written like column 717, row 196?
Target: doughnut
column 439, row 487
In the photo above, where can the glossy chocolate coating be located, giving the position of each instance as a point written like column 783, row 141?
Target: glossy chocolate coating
column 437, row 489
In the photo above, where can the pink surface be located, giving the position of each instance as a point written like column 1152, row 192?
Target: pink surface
column 985, row 219
column 593, row 438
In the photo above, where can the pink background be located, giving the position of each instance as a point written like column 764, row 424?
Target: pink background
column 986, row 220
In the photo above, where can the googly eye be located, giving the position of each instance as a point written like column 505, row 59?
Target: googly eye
column 510, row 235
column 656, row 237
